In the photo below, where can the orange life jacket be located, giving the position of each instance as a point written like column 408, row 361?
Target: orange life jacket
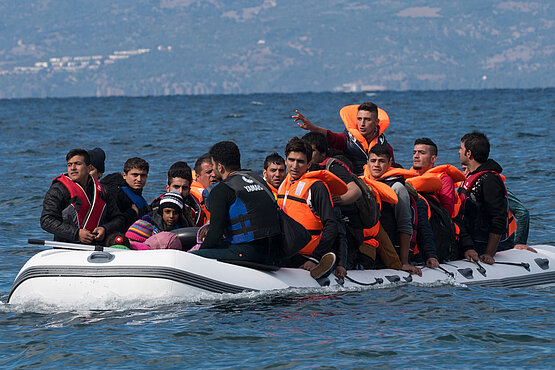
column 196, row 191
column 349, row 116
column 274, row 190
column 292, row 198
column 88, row 213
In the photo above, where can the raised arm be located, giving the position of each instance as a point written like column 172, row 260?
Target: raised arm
column 305, row 124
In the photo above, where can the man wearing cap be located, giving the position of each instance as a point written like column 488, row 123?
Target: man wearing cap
column 96, row 168
column 76, row 208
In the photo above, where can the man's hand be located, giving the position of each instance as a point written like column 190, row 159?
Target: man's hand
column 526, row 248
column 340, row 272
column 486, row 258
column 100, row 233
column 336, row 199
column 432, row 263
column 135, row 209
column 85, row 236
column 308, row 265
column 412, row 269
column 471, row 255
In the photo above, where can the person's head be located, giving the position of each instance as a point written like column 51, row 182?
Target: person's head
column 319, row 144
column 226, row 158
column 171, row 207
column 474, row 147
column 78, row 162
column 274, row 170
column 298, row 155
column 379, row 160
column 424, row 154
column 367, row 120
column 180, row 178
column 117, row 238
column 135, row 172
column 96, row 168
column 204, row 173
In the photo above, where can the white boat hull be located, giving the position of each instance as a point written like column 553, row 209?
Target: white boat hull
column 69, row 277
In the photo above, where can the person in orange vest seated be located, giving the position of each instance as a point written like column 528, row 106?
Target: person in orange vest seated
column 305, row 197
column 396, row 219
column 76, row 207
column 484, row 210
column 364, row 127
column 179, row 179
column 274, row 171
column 203, row 177
column 424, row 156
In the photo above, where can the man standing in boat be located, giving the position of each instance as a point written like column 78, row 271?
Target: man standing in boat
column 127, row 189
column 364, row 127
column 244, row 222
column 484, row 209
column 76, row 208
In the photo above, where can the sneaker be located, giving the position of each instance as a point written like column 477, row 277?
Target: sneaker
column 324, row 267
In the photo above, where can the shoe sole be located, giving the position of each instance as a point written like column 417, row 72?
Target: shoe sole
column 325, row 265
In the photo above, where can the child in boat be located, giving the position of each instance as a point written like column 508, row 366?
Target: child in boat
column 169, row 216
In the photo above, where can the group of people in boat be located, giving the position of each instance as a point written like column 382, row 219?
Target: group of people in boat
column 360, row 208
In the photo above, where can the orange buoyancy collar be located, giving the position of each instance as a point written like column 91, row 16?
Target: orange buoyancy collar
column 450, row 170
column 383, row 192
column 426, row 183
column 349, row 116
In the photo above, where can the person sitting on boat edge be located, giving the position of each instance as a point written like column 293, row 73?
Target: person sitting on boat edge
column 203, row 177
column 241, row 208
column 274, row 171
column 396, row 219
column 179, row 179
column 305, row 197
column 364, row 127
column 484, row 201
column 127, row 189
column 76, row 207
column 167, row 216
column 96, row 168
column 350, row 230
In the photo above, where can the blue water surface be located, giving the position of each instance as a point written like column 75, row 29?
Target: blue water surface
column 407, row 326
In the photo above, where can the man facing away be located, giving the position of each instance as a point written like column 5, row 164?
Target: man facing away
column 127, row 189
column 76, row 208
column 364, row 127
column 274, row 171
column 484, row 209
column 244, row 222
column 96, row 168
column 306, row 198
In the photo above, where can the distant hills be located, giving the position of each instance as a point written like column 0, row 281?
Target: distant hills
column 136, row 47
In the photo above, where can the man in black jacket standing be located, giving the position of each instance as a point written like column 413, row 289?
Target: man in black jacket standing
column 76, row 208
column 484, row 210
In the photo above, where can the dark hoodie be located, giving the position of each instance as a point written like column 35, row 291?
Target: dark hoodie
column 486, row 209
column 112, row 184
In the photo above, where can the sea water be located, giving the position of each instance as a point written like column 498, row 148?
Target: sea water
column 407, row 326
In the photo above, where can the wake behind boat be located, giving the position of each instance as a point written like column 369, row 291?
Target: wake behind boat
column 68, row 277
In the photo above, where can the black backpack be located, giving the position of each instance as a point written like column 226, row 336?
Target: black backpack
column 367, row 206
column 445, row 237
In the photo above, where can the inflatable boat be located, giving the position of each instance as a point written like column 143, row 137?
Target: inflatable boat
column 78, row 273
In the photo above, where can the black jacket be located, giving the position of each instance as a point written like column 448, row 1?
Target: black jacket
column 55, row 217
column 112, row 184
column 486, row 209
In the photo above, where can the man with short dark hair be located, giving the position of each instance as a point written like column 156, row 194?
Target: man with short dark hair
column 484, row 210
column 274, row 171
column 76, row 208
column 179, row 179
column 203, row 178
column 305, row 197
column 127, row 189
column 243, row 212
column 364, row 127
